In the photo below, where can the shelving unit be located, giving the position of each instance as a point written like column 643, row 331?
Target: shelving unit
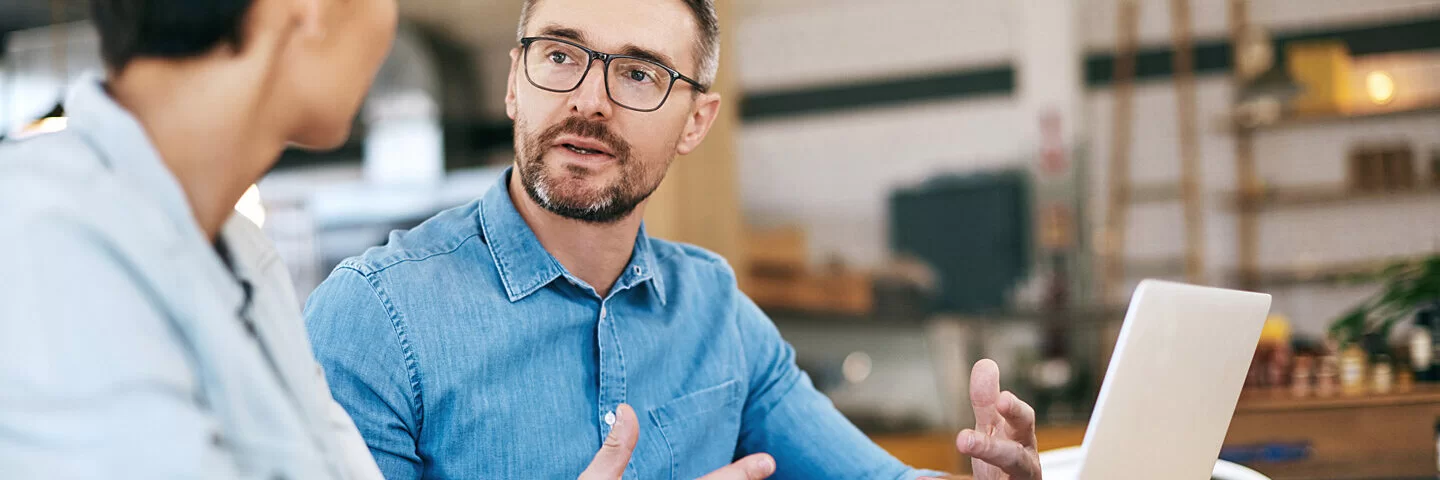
column 1123, row 195
column 1253, row 198
column 1326, row 273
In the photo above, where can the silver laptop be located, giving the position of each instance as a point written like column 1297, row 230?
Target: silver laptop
column 1173, row 382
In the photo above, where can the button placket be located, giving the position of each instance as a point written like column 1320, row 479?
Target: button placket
column 611, row 374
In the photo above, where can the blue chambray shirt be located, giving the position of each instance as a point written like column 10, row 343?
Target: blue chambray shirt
column 463, row 349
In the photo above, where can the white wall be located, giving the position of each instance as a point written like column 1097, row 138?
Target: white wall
column 833, row 174
column 799, row 43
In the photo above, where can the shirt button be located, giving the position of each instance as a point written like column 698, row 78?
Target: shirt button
column 638, row 270
column 602, row 311
column 610, row 418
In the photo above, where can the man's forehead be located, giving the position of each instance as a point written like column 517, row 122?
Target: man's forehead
column 663, row 26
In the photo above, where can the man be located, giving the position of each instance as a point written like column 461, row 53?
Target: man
column 499, row 339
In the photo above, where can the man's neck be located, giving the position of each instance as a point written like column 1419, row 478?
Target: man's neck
column 206, row 130
column 596, row 253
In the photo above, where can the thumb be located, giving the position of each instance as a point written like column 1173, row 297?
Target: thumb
column 754, row 467
column 614, row 454
column 984, row 394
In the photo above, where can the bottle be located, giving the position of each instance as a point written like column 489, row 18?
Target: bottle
column 1382, row 379
column 1326, row 378
column 1300, row 377
column 1430, row 317
column 1352, row 370
column 1421, row 348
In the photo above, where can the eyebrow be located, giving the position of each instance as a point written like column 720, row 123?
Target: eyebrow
column 647, row 54
column 563, row 32
column 630, row 50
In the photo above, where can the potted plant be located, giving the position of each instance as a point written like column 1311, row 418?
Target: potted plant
column 1407, row 287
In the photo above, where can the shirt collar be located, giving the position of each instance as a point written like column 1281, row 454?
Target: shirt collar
column 123, row 145
column 524, row 264
column 121, row 142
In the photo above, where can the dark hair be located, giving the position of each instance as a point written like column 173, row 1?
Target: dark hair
column 707, row 48
column 165, row 28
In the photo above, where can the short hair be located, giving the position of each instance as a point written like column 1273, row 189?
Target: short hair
column 165, row 28
column 707, row 49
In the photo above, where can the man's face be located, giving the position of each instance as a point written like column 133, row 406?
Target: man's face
column 579, row 154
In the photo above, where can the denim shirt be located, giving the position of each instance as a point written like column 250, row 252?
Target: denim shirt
column 128, row 349
column 463, row 349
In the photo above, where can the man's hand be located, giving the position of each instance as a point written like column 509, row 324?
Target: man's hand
column 1002, row 445
column 614, row 454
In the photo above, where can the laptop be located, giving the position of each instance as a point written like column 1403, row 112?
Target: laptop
column 1173, row 382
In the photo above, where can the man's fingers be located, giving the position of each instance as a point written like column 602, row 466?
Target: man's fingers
column 1007, row 455
column 1020, row 417
column 754, row 467
column 614, row 454
column 984, row 393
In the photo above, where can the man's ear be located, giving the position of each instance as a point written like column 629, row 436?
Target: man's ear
column 510, row 107
column 707, row 107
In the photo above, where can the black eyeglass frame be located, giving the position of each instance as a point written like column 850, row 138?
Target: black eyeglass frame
column 606, row 58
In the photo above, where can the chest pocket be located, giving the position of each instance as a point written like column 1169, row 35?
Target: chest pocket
column 701, row 429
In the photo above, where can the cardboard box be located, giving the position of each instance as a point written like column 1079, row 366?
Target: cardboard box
column 1322, row 68
column 777, row 251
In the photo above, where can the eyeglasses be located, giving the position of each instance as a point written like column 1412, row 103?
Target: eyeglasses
column 632, row 82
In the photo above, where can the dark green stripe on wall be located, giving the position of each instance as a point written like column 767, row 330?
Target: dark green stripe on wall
column 1214, row 56
column 1211, row 57
column 828, row 98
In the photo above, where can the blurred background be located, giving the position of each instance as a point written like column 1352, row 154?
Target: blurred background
column 910, row 185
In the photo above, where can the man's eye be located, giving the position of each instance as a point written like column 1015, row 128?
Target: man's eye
column 558, row 57
column 640, row 76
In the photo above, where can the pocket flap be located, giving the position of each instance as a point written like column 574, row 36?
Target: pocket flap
column 699, row 402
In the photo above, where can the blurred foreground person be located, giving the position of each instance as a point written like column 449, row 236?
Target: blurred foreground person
column 145, row 331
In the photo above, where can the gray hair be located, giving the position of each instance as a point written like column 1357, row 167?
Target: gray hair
column 707, row 49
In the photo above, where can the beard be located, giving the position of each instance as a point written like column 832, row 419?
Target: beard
column 566, row 192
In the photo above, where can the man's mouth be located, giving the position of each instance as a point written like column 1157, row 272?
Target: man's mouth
column 582, row 151
column 584, row 145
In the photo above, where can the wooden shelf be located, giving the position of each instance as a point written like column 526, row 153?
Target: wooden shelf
column 1287, row 197
column 1314, row 119
column 1321, row 195
column 1327, row 273
column 1280, row 399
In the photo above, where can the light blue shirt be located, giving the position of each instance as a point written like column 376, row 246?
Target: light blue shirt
column 463, row 349
column 124, row 347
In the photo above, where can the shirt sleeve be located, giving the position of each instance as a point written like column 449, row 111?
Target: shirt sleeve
column 371, row 376
column 786, row 417
column 94, row 380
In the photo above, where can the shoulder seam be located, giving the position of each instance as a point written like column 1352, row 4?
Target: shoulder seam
column 360, row 265
column 412, row 362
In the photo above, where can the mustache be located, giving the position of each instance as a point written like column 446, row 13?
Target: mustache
column 589, row 129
